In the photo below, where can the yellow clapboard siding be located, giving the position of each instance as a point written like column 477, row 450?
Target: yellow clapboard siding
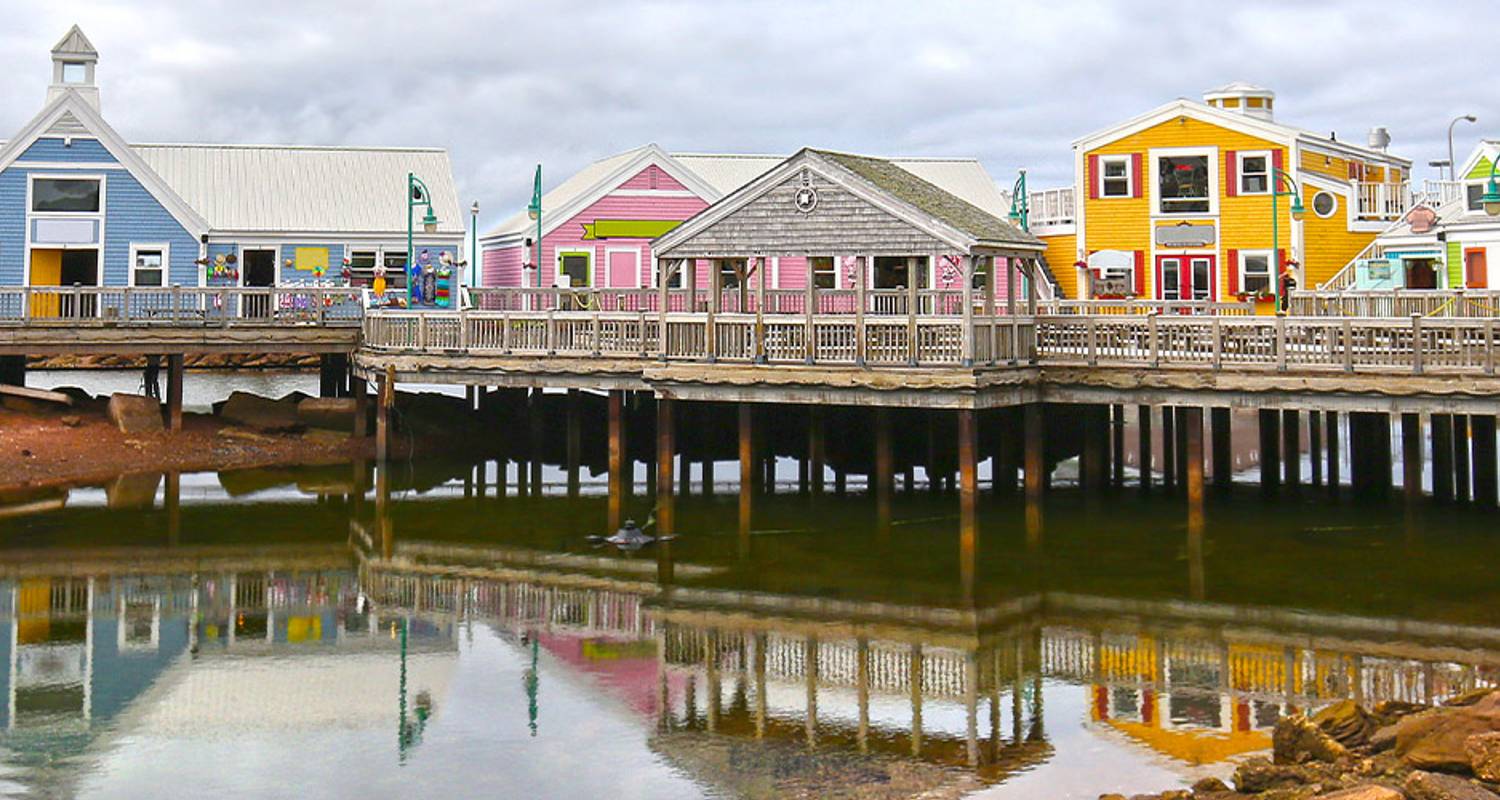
column 1062, row 251
column 1328, row 244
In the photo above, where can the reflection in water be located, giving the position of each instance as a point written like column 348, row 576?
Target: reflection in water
column 745, row 661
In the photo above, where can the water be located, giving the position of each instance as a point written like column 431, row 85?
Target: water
column 277, row 636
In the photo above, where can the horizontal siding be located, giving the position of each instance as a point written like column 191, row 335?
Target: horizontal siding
column 502, row 266
column 132, row 215
column 82, row 151
column 569, row 235
column 642, row 181
column 1062, row 252
column 290, row 275
column 1328, row 244
column 214, row 251
column 12, row 227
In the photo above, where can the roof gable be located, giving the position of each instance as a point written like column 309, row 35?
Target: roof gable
column 1186, row 108
column 871, row 205
column 74, row 43
column 69, row 109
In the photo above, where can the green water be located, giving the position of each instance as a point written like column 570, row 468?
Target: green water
column 276, row 636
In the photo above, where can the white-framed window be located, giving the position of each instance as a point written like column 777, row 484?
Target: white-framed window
column 148, row 264
column 679, row 276
column 51, row 194
column 1325, row 204
column 1255, row 271
column 1254, row 172
column 824, row 272
column 75, row 72
column 1472, row 194
column 1187, row 181
column 1115, row 179
column 730, row 270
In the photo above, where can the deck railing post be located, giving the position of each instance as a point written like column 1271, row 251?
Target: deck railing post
column 318, row 296
column 1218, row 343
column 1281, row 343
column 77, row 302
column 1015, row 338
column 1093, row 342
column 640, row 330
column 505, row 331
column 1489, row 346
column 1348, row 337
column 594, row 331
column 1153, row 338
column 663, row 277
column 966, row 342
column 463, row 329
column 26, row 303
column 863, row 264
column 421, row 331
column 551, row 331
column 809, row 307
column 716, row 292
column 125, row 304
column 761, row 269
column 1416, row 343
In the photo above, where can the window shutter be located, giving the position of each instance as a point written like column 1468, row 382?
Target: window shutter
column 1136, row 176
column 1277, row 163
column 1140, row 273
column 1093, row 177
column 1232, row 268
column 1231, row 174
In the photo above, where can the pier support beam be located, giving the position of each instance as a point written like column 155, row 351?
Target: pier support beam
column 360, row 388
column 1270, row 451
column 746, row 420
column 1485, row 490
column 1034, row 427
column 536, row 425
column 666, row 450
column 1411, row 457
column 386, row 389
column 1442, row 457
column 1370, row 453
column 1143, row 446
column 817, row 429
column 174, row 391
column 968, row 498
column 1334, row 451
column 1223, row 452
column 1291, row 448
column 619, row 464
column 573, row 441
column 1117, row 445
column 1169, row 448
column 1095, row 444
column 1461, row 458
column 1190, row 421
column 1315, row 446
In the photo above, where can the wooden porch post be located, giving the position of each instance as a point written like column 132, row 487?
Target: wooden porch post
column 1010, row 286
column 809, row 307
column 966, row 339
column 663, row 279
column 715, row 286
column 911, row 310
column 760, row 309
column 174, row 391
column 1031, row 290
column 691, row 264
column 862, row 263
column 989, row 308
column 361, row 391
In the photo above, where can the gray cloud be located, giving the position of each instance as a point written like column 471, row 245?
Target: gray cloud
column 504, row 85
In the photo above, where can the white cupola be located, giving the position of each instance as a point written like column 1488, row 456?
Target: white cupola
column 73, row 61
column 1242, row 98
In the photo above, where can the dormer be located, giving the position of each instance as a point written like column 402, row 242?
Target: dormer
column 1242, row 98
column 73, row 62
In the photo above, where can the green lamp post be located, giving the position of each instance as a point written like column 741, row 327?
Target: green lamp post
column 1020, row 215
column 416, row 195
column 1282, row 185
column 534, row 210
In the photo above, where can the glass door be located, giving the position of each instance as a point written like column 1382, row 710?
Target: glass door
column 1169, row 278
column 1201, row 278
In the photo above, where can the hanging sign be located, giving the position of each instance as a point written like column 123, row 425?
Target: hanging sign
column 1185, row 234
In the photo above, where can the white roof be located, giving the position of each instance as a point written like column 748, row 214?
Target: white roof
column 74, row 43
column 726, row 172
column 288, row 188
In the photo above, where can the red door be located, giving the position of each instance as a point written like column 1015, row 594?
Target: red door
column 1190, row 277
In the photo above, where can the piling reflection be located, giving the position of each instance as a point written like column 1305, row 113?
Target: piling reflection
column 737, row 685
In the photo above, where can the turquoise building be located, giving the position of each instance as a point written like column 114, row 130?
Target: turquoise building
column 82, row 206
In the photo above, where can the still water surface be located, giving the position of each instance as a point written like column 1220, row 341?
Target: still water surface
column 280, row 635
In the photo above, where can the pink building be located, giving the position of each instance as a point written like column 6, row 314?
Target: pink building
column 598, row 225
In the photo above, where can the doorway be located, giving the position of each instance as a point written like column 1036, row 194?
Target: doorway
column 258, row 269
column 62, row 268
column 1421, row 273
column 1186, row 278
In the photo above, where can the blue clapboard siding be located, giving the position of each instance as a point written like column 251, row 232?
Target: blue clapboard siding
column 12, row 227
column 82, row 151
column 292, row 276
column 132, row 215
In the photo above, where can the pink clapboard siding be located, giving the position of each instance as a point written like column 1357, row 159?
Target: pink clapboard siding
column 568, row 237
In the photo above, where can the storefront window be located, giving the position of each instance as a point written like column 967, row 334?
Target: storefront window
column 1184, row 184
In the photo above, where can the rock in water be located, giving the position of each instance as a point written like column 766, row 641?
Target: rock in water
column 1484, row 755
column 1435, row 739
column 133, row 413
column 259, row 412
column 1368, row 792
column 1297, row 740
column 1209, row 786
column 1470, row 697
column 1433, row 786
column 1259, row 775
column 1346, row 722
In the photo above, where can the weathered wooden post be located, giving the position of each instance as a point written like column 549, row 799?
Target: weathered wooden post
column 620, row 479
column 715, row 294
column 1315, row 446
column 968, row 499
column 1117, row 442
column 761, row 267
column 747, row 475
column 911, row 312
column 1169, row 449
column 386, row 389
column 1270, row 451
column 1461, row 457
column 1221, row 424
column 666, row 448
column 537, row 424
column 174, row 391
column 1191, row 421
column 1411, row 456
column 573, row 441
column 1442, row 457
column 884, row 471
column 810, row 310
column 861, row 338
column 1332, row 420
column 1485, row 489
column 664, row 272
column 1094, row 440
column 360, row 388
column 1033, row 425
column 1291, row 448
column 1143, row 445
column 966, row 339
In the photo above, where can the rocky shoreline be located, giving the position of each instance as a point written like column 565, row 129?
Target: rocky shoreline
column 289, row 361
column 1393, row 751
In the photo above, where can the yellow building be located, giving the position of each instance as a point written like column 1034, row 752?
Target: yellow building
column 1177, row 204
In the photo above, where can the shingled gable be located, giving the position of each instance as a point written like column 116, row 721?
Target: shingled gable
column 911, row 214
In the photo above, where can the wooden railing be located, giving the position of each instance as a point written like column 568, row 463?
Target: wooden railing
column 1052, row 207
column 1462, row 303
column 1381, row 201
column 743, row 338
column 106, row 306
column 1065, row 307
column 1412, row 346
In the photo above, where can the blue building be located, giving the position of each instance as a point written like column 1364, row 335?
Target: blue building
column 81, row 206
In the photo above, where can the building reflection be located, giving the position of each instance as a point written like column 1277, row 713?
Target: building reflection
column 736, row 687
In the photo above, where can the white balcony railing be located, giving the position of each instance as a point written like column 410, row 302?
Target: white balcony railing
column 1381, row 201
column 1052, row 207
column 1440, row 193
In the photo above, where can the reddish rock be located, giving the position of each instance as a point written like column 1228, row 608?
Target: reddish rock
column 1367, row 792
column 1435, row 739
column 133, row 413
column 1436, row 786
column 1484, row 755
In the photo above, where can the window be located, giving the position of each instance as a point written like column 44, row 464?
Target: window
column 824, row 273
column 573, row 270
column 65, row 195
column 1473, row 192
column 1115, row 178
column 1255, row 173
column 75, row 72
column 148, row 265
column 679, row 276
column 1324, row 204
column 1255, row 272
column 395, row 269
column 730, row 270
column 1184, row 184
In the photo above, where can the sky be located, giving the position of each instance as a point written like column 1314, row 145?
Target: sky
column 508, row 84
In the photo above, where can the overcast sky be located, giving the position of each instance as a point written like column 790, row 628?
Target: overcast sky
column 504, row 85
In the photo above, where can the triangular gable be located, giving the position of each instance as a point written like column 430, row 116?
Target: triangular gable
column 769, row 187
column 1477, row 166
column 74, row 43
column 1239, row 123
column 68, row 111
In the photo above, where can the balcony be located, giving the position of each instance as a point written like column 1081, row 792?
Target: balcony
column 1050, row 207
column 1381, row 201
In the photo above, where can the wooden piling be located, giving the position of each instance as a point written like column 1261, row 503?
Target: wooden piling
column 1169, row 448
column 1485, row 490
column 1094, row 444
column 537, row 428
column 174, row 391
column 1117, row 445
column 386, row 393
column 360, row 388
column 1270, row 451
column 1033, row 425
column 817, row 428
column 573, row 441
column 1411, row 457
column 1461, row 458
column 1291, row 448
column 1143, row 446
column 1190, row 421
column 968, row 494
column 1334, row 451
column 746, row 420
column 619, row 480
column 1315, row 446
column 666, row 450
column 1220, row 422
column 1442, row 457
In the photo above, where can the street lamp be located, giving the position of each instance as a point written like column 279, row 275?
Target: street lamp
column 1020, row 204
column 1282, row 185
column 416, row 195
column 1491, row 197
column 474, row 272
column 1452, row 167
column 534, row 211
